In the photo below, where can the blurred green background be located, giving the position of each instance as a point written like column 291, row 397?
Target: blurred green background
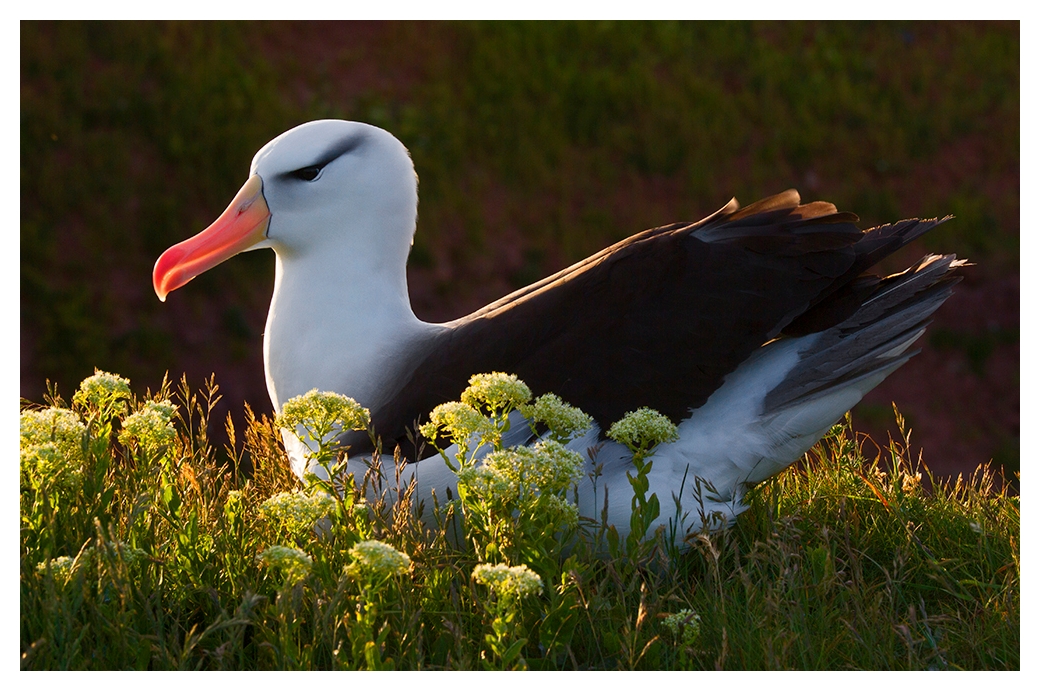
column 536, row 144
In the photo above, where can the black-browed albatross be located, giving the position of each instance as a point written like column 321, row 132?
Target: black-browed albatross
column 754, row 329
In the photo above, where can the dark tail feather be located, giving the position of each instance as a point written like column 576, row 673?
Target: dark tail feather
column 876, row 337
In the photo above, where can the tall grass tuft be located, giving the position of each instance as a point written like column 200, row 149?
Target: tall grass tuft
column 143, row 547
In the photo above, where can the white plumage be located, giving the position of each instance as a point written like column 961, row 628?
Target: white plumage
column 337, row 203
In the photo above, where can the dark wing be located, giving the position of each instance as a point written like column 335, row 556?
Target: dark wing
column 658, row 319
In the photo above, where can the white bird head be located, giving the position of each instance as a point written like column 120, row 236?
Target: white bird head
column 328, row 186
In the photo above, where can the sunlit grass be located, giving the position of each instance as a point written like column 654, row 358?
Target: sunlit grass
column 152, row 552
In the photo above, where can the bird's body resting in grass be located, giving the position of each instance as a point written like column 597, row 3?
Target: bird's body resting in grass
column 754, row 329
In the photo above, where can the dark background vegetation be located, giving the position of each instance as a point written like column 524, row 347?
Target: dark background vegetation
column 536, row 144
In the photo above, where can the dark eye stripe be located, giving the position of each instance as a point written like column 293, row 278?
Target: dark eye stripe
column 340, row 148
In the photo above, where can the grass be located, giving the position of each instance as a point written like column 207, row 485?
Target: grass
column 569, row 136
column 141, row 549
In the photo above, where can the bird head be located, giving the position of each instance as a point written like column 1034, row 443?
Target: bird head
column 327, row 185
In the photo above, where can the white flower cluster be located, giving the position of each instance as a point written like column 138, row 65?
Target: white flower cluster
column 150, row 427
column 460, row 421
column 297, row 511
column 643, row 429
column 547, row 466
column 564, row 421
column 508, row 582
column 105, row 392
column 497, row 390
column 294, row 564
column 51, row 447
column 520, row 476
column 322, row 412
column 163, row 408
column 48, row 467
column 558, row 510
column 234, row 504
column 374, row 560
column 488, row 484
column 58, row 426
column 62, row 568
column 59, row 567
column 129, row 555
column 684, row 626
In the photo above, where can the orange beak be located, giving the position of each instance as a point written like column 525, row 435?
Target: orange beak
column 242, row 225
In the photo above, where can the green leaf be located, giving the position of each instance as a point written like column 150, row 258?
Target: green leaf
column 513, row 652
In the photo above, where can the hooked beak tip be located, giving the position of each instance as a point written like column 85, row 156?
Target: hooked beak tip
column 242, row 225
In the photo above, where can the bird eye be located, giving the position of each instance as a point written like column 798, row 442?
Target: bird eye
column 307, row 174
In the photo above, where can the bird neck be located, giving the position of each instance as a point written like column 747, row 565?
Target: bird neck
column 337, row 326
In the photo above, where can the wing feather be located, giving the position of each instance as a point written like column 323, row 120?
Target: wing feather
column 658, row 319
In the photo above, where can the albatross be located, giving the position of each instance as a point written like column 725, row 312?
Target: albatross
column 754, row 329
